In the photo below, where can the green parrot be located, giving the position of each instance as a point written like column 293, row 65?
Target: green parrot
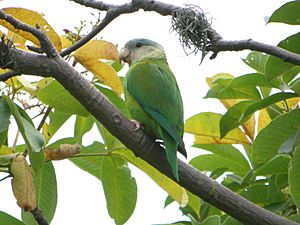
column 153, row 97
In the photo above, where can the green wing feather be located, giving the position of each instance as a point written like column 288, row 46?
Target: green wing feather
column 153, row 86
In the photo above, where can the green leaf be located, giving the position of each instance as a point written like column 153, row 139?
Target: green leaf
column 115, row 99
column 57, row 119
column 269, row 140
column 277, row 165
column 64, row 101
column 119, row 187
column 177, row 192
column 294, row 176
column 231, row 118
column 257, row 61
column 276, row 67
column 296, row 86
column 205, row 126
column 82, row 126
column 289, row 13
column 212, row 220
column 7, row 219
column 240, row 112
column 3, row 137
column 90, row 164
column 112, row 143
column 257, row 193
column 231, row 221
column 4, row 116
column 46, row 191
column 224, row 156
column 237, row 88
column 34, row 140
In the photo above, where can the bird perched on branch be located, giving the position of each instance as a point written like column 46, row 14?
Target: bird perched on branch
column 153, row 97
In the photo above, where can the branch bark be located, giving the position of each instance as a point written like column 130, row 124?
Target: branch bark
column 142, row 145
column 216, row 40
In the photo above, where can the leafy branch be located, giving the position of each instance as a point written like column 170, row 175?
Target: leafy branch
column 105, row 112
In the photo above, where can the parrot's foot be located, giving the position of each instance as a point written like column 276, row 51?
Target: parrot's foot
column 137, row 125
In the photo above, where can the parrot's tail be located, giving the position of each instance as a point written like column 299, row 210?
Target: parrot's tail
column 182, row 151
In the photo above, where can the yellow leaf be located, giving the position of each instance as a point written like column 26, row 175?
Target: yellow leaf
column 5, row 150
column 177, row 192
column 31, row 18
column 65, row 41
column 95, row 50
column 205, row 127
column 263, row 119
column 249, row 127
column 292, row 103
column 18, row 41
column 22, row 183
column 89, row 56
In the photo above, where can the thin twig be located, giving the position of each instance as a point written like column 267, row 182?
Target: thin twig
column 9, row 74
column 44, row 118
column 39, row 217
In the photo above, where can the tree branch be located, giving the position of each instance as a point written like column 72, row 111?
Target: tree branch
column 217, row 44
column 39, row 217
column 45, row 43
column 142, row 145
column 9, row 74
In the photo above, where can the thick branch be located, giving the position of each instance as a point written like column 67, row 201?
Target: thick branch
column 142, row 145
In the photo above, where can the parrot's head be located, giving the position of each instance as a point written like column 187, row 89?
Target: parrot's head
column 139, row 49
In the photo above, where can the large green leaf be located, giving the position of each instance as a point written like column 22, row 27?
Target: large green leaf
column 257, row 193
column 240, row 112
column 212, row 220
column 57, row 119
column 120, row 188
column 55, row 95
column 269, row 140
column 176, row 192
column 4, row 116
column 205, row 126
column 34, row 140
column 237, row 88
column 46, row 191
column 7, row 219
column 231, row 221
column 277, row 67
column 257, row 61
column 82, row 126
column 277, row 165
column 294, row 176
column 91, row 164
column 224, row 156
column 288, row 13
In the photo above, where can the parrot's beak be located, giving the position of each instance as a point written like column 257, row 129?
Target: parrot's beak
column 124, row 55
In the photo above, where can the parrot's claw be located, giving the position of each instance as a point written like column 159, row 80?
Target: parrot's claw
column 137, row 125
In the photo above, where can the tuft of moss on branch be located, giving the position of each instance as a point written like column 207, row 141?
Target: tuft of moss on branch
column 192, row 26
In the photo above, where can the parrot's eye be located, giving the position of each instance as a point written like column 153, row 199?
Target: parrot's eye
column 138, row 45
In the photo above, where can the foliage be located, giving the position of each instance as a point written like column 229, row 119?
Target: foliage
column 253, row 149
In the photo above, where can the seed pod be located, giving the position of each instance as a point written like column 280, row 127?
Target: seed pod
column 22, row 183
column 64, row 151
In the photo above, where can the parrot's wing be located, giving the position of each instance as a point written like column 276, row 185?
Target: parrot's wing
column 163, row 102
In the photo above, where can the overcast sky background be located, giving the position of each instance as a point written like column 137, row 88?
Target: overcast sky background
column 80, row 196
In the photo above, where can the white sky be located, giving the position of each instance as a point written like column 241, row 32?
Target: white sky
column 80, row 196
